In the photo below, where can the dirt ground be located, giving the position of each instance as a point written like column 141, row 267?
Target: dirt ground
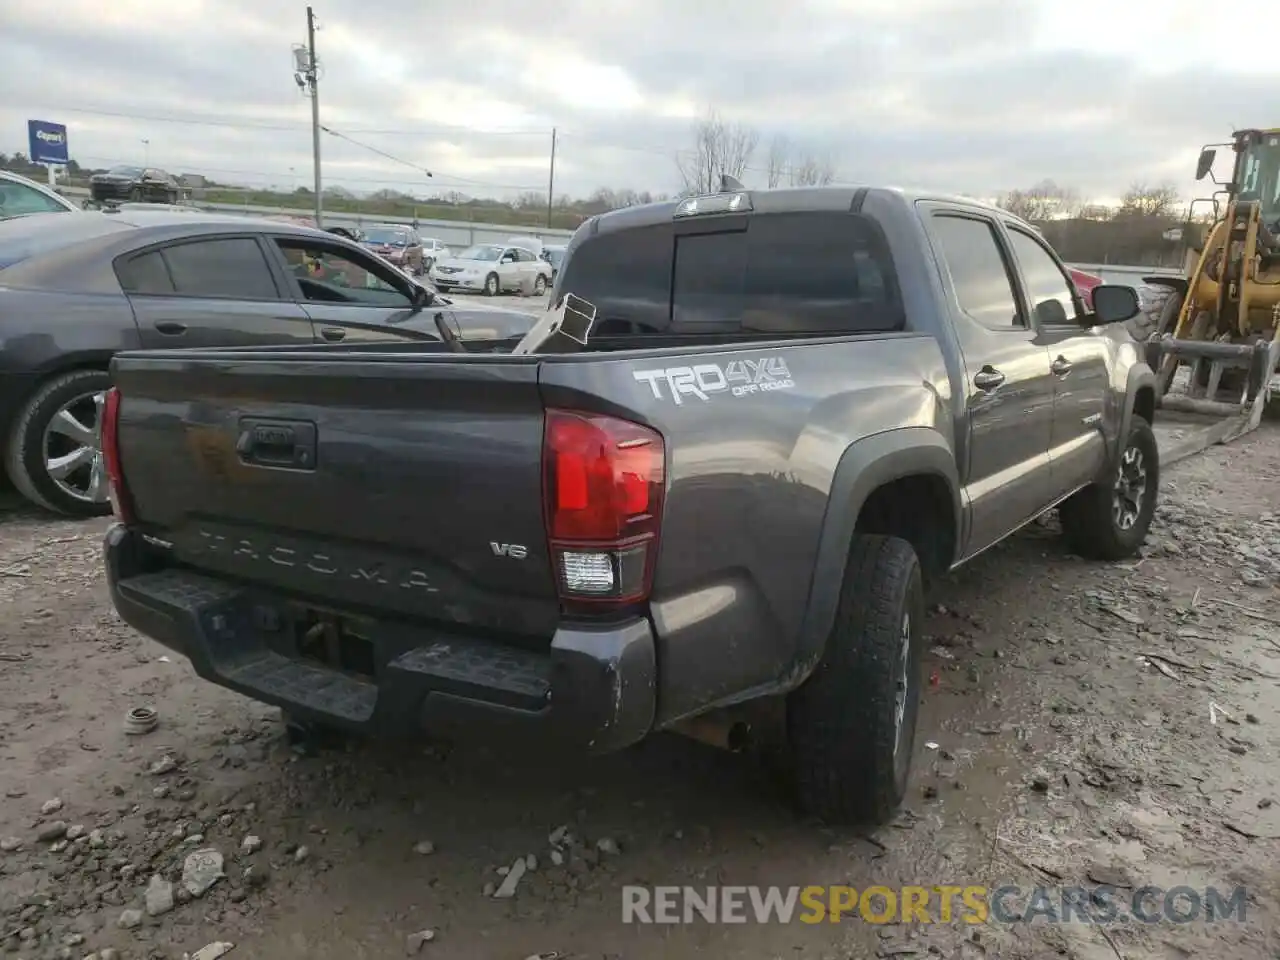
column 1084, row 724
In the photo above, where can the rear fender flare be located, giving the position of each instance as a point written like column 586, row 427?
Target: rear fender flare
column 865, row 465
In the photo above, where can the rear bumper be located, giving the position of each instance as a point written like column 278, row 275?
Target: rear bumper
column 593, row 689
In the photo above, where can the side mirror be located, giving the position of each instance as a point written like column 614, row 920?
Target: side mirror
column 1113, row 303
column 1205, row 166
column 507, row 259
column 422, row 296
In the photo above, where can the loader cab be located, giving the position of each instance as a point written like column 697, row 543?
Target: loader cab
column 1257, row 173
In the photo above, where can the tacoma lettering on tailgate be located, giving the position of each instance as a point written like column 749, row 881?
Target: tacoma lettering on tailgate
column 739, row 377
column 324, row 564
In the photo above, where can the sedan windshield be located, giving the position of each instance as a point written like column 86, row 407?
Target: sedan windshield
column 481, row 253
column 125, row 171
column 393, row 238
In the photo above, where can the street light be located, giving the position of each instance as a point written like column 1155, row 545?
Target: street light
column 146, row 152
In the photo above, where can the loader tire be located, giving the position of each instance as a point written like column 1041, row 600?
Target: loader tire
column 1109, row 520
column 851, row 726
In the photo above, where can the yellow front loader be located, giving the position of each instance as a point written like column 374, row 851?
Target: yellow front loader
column 1215, row 348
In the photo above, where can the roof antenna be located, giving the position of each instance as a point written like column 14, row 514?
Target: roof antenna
column 729, row 184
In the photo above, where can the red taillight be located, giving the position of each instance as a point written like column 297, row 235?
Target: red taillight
column 603, row 485
column 110, row 430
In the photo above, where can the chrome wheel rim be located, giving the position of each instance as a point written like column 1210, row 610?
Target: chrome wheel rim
column 73, row 449
column 902, row 684
column 1130, row 489
column 491, row 285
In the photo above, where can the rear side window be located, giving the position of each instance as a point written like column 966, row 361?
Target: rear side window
column 811, row 272
column 227, row 268
column 978, row 271
column 145, row 273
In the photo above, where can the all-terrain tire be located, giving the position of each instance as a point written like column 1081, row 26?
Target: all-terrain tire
column 24, row 451
column 1089, row 517
column 850, row 758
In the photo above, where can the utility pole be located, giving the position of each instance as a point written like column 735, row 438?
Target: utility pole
column 311, row 76
column 551, row 181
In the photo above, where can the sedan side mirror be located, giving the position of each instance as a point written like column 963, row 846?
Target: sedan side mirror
column 422, row 296
column 1113, row 303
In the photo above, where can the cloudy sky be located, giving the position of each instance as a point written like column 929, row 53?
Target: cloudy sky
column 974, row 96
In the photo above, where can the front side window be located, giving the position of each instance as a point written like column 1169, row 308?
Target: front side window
column 328, row 275
column 1048, row 288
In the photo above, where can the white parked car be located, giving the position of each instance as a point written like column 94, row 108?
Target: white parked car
column 20, row 196
column 493, row 268
column 434, row 250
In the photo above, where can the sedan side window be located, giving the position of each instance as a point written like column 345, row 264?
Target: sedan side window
column 1048, row 288
column 232, row 268
column 17, row 199
column 331, row 275
column 145, row 273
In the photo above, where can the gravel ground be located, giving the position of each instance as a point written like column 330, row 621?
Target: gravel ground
column 1083, row 724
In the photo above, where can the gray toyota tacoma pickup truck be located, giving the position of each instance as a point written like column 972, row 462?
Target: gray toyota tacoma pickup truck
column 717, row 517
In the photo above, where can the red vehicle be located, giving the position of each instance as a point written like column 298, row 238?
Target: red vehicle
column 1085, row 282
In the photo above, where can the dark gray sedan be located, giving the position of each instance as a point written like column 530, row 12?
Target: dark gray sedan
column 75, row 289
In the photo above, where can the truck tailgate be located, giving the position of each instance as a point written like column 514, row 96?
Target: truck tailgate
column 404, row 486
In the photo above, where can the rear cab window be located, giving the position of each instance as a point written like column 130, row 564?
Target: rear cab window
column 815, row 273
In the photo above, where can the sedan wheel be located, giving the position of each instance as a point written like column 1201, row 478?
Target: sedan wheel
column 539, row 286
column 73, row 449
column 55, row 452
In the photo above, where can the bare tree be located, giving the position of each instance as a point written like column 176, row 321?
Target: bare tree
column 1043, row 201
column 1143, row 200
column 776, row 162
column 719, row 148
column 813, row 170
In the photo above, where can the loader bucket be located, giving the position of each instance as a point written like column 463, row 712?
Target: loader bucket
column 1213, row 392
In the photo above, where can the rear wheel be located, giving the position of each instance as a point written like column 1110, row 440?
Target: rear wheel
column 54, row 455
column 851, row 726
column 1109, row 520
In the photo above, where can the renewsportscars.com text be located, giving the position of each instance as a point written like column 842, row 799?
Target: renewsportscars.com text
column 936, row 904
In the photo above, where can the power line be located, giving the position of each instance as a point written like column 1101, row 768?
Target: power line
column 373, row 181
column 248, row 124
column 672, row 154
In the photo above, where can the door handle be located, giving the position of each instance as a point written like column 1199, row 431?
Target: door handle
column 333, row 334
column 988, row 378
column 170, row 328
column 1061, row 366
